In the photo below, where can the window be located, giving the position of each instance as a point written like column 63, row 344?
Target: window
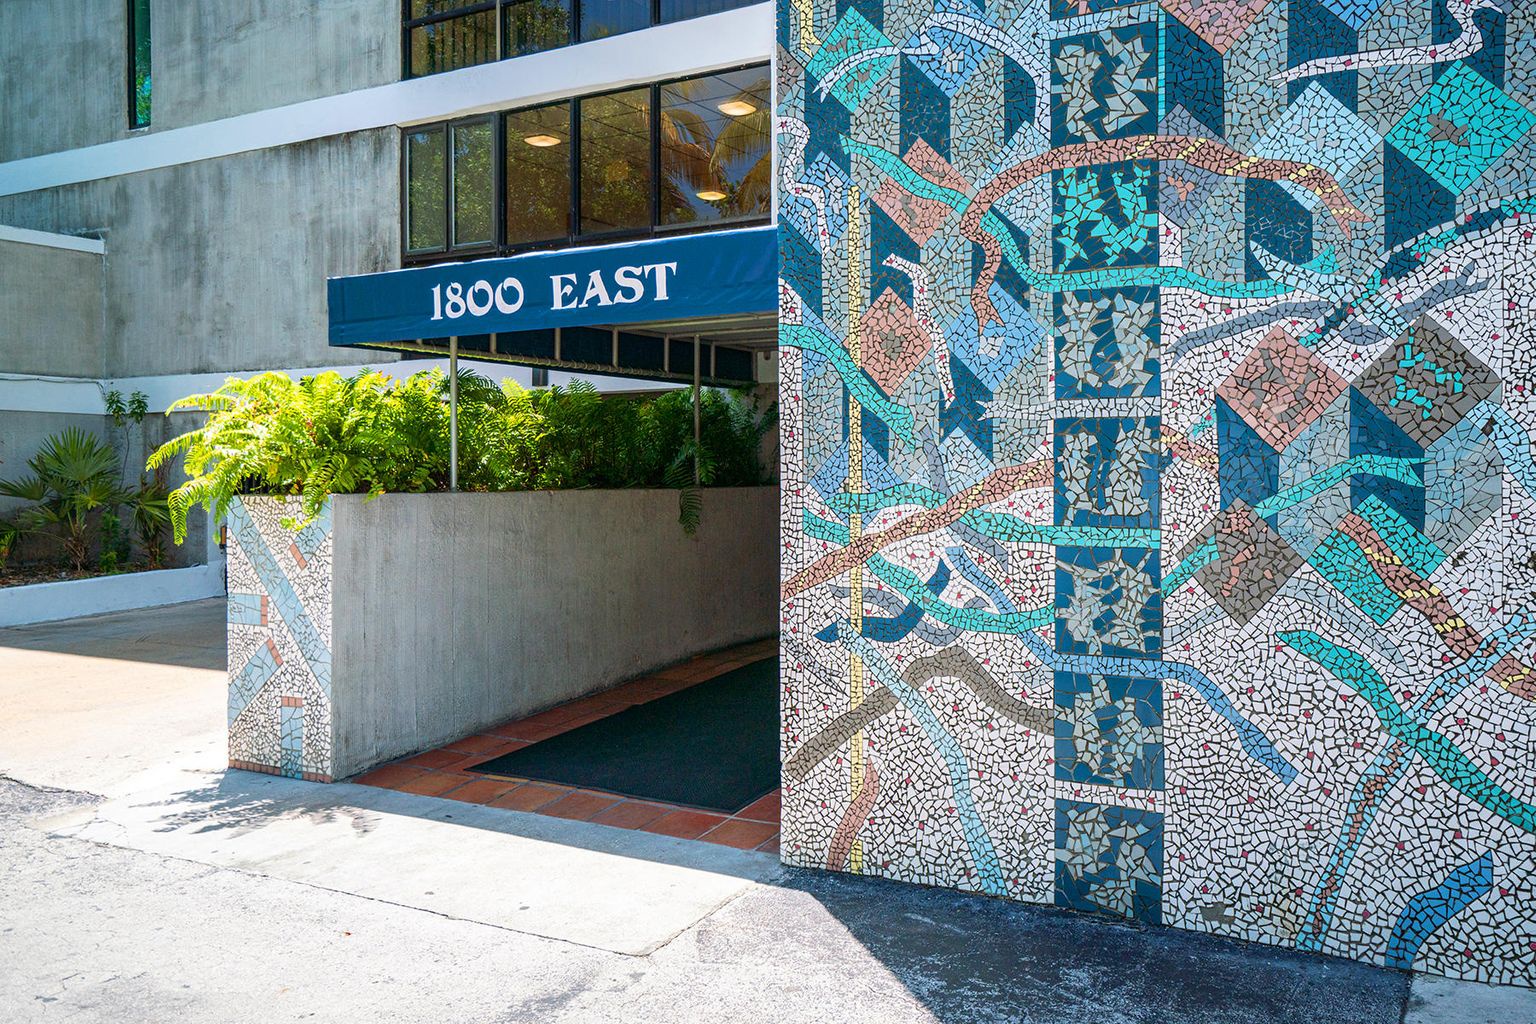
column 426, row 183
column 616, row 162
column 529, row 26
column 601, row 18
column 678, row 10
column 715, row 159
column 687, row 154
column 474, row 184
column 138, row 63
column 538, row 174
column 443, row 35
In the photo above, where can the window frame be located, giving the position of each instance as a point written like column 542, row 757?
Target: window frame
column 572, row 178
column 574, row 237
column 464, row 10
column 132, row 38
column 497, row 196
column 407, row 254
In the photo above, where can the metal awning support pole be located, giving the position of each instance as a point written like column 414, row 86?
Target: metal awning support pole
column 453, row 413
column 695, row 410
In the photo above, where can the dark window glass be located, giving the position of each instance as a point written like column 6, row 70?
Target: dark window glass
column 453, row 43
column 538, row 174
column 616, row 162
column 138, row 48
column 474, row 184
column 590, row 345
column 732, row 363
column 680, row 357
column 538, row 344
column 601, row 18
column 426, row 183
column 715, row 161
column 640, row 352
column 534, row 25
column 677, row 10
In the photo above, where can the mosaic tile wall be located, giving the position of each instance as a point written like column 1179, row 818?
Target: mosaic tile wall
column 1158, row 485
column 279, row 638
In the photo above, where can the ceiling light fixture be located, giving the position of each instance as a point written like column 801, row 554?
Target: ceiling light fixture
column 709, row 195
column 736, row 108
column 542, row 141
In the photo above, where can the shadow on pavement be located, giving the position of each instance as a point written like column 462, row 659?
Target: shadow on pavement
column 188, row 635
column 968, row 959
column 975, row 959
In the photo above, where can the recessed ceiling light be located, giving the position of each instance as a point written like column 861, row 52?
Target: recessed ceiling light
column 736, row 108
column 709, row 195
column 542, row 141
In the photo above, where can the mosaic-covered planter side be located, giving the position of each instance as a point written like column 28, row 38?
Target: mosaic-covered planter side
column 279, row 640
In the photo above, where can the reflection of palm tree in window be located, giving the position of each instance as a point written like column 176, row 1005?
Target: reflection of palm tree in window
column 716, row 161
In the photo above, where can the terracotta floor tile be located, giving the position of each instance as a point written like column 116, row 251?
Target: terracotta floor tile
column 553, row 716
column 743, row 835
column 433, row 759
column 580, row 805
column 482, row 790
column 530, row 733
column 636, row 691
column 664, row 687
column 766, row 809
column 592, row 716
column 630, row 814
column 603, row 703
column 771, row 846
column 684, row 824
column 530, row 796
column 431, row 783
column 390, row 776
column 481, row 743
column 470, row 762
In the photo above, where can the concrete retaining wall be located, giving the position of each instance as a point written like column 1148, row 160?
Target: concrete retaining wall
column 399, row 624
column 70, row 599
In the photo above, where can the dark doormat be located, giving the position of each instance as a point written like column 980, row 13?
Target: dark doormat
column 714, row 746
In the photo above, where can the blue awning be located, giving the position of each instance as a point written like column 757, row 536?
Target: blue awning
column 700, row 276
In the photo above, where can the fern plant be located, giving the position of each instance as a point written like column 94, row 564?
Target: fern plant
column 370, row 433
column 321, row 435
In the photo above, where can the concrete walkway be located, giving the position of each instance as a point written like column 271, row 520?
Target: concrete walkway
column 142, row 882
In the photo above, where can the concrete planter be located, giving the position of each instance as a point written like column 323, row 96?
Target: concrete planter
column 398, row 624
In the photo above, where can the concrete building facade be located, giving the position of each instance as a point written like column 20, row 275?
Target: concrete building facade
column 163, row 258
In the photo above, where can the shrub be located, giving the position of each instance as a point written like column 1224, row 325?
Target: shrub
column 74, row 474
column 370, row 433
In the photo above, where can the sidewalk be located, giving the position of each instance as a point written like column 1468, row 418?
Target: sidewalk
column 184, row 891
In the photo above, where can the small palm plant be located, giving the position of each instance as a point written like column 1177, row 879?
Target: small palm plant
column 8, row 537
column 74, row 475
column 151, row 511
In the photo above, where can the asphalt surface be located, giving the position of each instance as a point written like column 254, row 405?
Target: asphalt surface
column 98, row 931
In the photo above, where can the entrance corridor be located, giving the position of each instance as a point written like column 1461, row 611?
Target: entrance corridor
column 450, row 771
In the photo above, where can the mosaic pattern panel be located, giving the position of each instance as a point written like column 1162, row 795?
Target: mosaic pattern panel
column 1158, row 488
column 279, row 638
